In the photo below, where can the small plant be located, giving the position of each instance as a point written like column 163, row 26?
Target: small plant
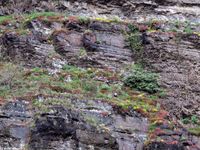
column 153, row 97
column 154, row 24
column 103, row 96
column 91, row 120
column 116, row 19
column 186, row 120
column 191, row 120
column 142, row 80
column 152, row 127
column 135, row 41
column 133, row 28
column 37, row 70
column 70, row 68
column 8, row 73
column 40, row 105
column 162, row 93
column 194, row 119
column 82, row 52
column 195, row 131
column 105, row 87
column 35, row 15
column 4, row 19
column 83, row 20
column 22, row 31
column 89, row 86
column 188, row 28
column 177, row 24
column 134, row 38
column 174, row 30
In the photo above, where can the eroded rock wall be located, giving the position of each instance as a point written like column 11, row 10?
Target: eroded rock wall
column 140, row 10
column 176, row 58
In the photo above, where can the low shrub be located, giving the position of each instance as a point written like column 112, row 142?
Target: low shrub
column 134, row 38
column 142, row 80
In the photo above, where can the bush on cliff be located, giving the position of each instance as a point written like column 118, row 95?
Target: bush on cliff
column 142, row 80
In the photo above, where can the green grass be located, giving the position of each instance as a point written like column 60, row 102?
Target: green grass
column 91, row 120
column 82, row 52
column 83, row 20
column 4, row 90
column 35, row 15
column 5, row 18
column 83, row 85
column 195, row 131
column 25, row 18
column 55, row 90
column 28, row 17
column 105, row 87
column 188, row 29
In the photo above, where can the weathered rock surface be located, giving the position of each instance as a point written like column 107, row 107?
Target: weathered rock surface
column 28, row 48
column 176, row 58
column 140, row 10
column 14, row 125
column 101, row 48
column 89, row 125
column 78, row 128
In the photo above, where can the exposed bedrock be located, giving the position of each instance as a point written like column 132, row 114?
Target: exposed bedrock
column 102, row 47
column 177, row 59
column 14, row 125
column 70, row 128
column 140, row 10
column 92, row 124
column 30, row 49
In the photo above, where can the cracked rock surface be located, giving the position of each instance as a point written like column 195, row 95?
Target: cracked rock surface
column 88, row 124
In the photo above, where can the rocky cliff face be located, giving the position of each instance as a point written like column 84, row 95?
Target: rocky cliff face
column 140, row 10
column 48, row 104
column 177, row 61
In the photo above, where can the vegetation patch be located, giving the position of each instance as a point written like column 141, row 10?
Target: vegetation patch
column 5, row 19
column 190, row 120
column 35, row 15
column 194, row 122
column 82, row 52
column 83, row 20
column 74, row 82
column 10, row 76
column 134, row 38
column 142, row 80
column 195, row 131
